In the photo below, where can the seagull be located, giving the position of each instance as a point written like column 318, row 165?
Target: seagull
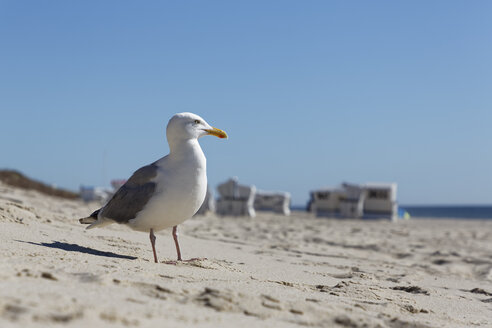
column 167, row 192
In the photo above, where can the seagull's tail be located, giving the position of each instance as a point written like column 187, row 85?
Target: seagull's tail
column 90, row 219
column 95, row 221
column 87, row 220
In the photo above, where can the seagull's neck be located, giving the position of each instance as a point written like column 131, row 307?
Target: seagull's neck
column 187, row 150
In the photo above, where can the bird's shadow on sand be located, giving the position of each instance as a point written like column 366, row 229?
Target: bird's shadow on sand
column 77, row 248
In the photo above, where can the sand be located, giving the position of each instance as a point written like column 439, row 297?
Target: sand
column 270, row 271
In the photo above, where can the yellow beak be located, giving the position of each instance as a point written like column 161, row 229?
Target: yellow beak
column 216, row 132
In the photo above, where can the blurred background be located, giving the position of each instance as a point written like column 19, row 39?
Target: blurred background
column 311, row 93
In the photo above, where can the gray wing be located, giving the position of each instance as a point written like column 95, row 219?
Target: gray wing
column 132, row 196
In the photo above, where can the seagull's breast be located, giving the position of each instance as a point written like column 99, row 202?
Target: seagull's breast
column 181, row 186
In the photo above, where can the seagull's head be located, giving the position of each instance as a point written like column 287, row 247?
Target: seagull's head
column 184, row 126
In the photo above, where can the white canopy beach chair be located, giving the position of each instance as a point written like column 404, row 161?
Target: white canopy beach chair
column 235, row 199
column 278, row 202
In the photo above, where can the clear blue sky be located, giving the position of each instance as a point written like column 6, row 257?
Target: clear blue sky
column 312, row 93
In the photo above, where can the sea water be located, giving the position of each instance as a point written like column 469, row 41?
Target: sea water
column 441, row 211
column 450, row 211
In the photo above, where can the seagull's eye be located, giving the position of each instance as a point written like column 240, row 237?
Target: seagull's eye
column 197, row 122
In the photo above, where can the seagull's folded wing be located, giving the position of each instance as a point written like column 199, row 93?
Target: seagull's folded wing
column 132, row 197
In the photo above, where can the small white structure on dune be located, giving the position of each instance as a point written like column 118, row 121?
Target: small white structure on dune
column 235, row 199
column 100, row 194
column 278, row 202
column 90, row 194
column 208, row 204
column 370, row 200
column 117, row 183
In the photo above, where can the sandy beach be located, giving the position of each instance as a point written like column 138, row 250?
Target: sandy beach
column 270, row 271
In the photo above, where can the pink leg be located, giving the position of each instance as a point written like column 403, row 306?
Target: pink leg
column 175, row 236
column 152, row 241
